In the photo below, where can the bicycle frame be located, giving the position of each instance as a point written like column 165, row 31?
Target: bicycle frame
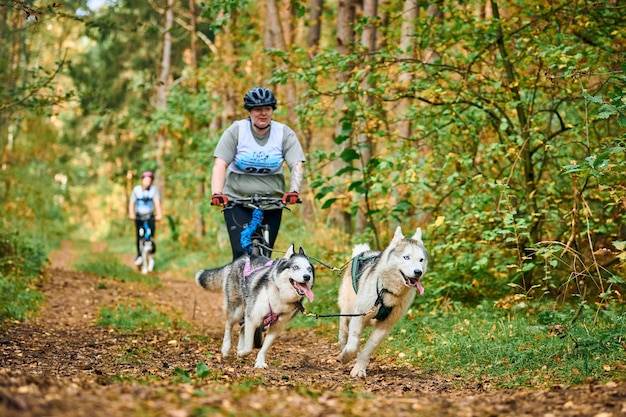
column 256, row 241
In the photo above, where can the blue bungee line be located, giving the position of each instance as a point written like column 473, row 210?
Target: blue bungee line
column 146, row 230
column 246, row 234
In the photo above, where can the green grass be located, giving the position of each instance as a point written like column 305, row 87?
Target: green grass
column 131, row 318
column 534, row 347
column 531, row 344
column 18, row 300
column 108, row 265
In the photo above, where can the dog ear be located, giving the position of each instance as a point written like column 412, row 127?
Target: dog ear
column 289, row 252
column 280, row 264
column 301, row 252
column 398, row 235
column 418, row 235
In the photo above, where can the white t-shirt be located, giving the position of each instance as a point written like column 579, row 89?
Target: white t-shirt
column 240, row 185
column 144, row 200
column 255, row 159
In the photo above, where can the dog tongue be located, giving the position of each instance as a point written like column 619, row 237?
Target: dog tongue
column 420, row 288
column 308, row 293
column 306, row 290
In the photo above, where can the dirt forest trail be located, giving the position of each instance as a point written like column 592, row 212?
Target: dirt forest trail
column 62, row 364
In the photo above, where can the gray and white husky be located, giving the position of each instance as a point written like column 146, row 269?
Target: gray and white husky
column 260, row 292
column 380, row 286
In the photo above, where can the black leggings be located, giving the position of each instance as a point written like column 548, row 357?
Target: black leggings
column 138, row 226
column 237, row 217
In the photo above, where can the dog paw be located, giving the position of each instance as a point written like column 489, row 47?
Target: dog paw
column 260, row 365
column 347, row 355
column 358, row 371
column 243, row 353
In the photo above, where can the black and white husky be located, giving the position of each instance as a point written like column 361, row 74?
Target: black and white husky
column 380, row 287
column 260, row 292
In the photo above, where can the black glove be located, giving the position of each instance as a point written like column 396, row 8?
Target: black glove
column 219, row 200
column 291, row 198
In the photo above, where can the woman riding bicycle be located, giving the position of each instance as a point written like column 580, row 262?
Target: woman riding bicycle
column 249, row 160
column 144, row 206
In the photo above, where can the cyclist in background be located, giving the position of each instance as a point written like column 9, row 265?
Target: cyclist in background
column 249, row 160
column 144, row 205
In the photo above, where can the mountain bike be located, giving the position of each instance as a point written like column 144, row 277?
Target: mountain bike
column 147, row 246
column 255, row 235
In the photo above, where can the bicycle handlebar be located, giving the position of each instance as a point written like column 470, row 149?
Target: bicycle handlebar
column 259, row 202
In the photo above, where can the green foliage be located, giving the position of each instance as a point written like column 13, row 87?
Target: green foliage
column 494, row 120
column 202, row 371
column 22, row 260
column 132, row 318
column 513, row 163
column 220, row 12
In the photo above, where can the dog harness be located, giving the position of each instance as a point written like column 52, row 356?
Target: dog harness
column 247, row 268
column 384, row 311
column 359, row 263
column 272, row 317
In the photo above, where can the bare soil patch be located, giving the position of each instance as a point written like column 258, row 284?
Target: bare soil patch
column 62, row 364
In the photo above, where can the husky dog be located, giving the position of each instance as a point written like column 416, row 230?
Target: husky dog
column 260, row 292
column 378, row 290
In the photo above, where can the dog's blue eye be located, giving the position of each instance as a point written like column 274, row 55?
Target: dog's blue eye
column 296, row 267
column 407, row 257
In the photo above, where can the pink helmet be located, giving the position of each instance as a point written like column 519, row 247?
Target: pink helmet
column 148, row 174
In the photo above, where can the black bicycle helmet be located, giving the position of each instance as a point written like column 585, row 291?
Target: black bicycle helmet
column 259, row 97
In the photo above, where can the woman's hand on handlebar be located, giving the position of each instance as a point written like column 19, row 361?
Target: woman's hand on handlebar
column 291, row 197
column 219, row 200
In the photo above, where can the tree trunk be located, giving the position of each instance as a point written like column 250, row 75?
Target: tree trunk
column 193, row 48
column 277, row 38
column 368, row 40
column 12, row 46
column 290, row 100
column 315, row 25
column 433, row 12
column 201, row 226
column 407, row 46
column 345, row 36
column 161, row 100
column 287, row 21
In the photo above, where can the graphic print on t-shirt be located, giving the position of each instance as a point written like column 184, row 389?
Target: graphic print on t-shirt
column 258, row 162
column 253, row 158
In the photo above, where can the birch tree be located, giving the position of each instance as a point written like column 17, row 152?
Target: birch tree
column 161, row 94
column 365, row 142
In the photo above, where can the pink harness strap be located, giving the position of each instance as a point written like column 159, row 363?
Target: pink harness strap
column 271, row 318
column 247, row 268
